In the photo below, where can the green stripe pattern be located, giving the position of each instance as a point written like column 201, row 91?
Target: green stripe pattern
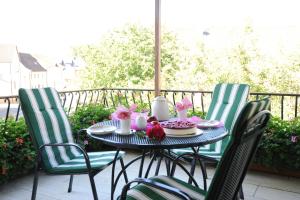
column 144, row 192
column 252, row 108
column 238, row 152
column 48, row 124
column 227, row 102
column 98, row 160
column 224, row 182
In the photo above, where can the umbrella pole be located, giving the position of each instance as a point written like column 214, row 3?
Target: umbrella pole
column 157, row 46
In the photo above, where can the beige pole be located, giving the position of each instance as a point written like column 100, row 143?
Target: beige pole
column 157, row 46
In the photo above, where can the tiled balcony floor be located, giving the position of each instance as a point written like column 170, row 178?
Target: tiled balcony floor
column 256, row 186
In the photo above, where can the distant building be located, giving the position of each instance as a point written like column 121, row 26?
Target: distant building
column 71, row 69
column 10, row 70
column 19, row 70
column 25, row 70
column 36, row 75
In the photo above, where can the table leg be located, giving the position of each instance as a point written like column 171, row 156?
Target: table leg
column 202, row 166
column 123, row 170
column 113, row 184
column 168, row 163
column 192, row 171
column 154, row 155
column 142, row 164
column 158, row 165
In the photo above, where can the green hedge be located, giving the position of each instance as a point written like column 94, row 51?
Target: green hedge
column 276, row 149
column 17, row 153
column 86, row 116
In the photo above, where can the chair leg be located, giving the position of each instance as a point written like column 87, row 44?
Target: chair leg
column 35, row 183
column 70, row 183
column 93, row 186
column 241, row 193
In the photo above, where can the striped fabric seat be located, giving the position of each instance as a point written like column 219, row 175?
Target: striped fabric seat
column 99, row 160
column 227, row 102
column 52, row 135
column 48, row 123
column 143, row 192
column 246, row 135
column 231, row 170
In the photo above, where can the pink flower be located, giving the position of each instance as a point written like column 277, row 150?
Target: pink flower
column 294, row 138
column 184, row 104
column 19, row 141
column 124, row 113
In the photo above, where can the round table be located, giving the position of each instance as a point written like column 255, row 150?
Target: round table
column 134, row 141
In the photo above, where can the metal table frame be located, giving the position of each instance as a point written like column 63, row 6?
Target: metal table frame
column 156, row 149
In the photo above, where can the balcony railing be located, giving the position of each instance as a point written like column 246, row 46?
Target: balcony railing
column 283, row 105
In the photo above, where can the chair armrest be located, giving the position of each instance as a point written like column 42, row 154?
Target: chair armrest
column 157, row 185
column 86, row 157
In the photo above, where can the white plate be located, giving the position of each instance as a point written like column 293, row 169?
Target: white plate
column 199, row 132
column 98, row 129
column 118, row 131
column 208, row 123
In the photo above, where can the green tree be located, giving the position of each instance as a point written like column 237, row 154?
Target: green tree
column 125, row 58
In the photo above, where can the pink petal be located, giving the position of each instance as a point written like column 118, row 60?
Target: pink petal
column 133, row 107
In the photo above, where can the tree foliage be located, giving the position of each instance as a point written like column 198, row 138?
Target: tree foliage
column 125, row 58
column 244, row 61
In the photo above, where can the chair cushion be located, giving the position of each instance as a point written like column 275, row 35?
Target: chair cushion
column 142, row 192
column 48, row 124
column 227, row 102
column 98, row 160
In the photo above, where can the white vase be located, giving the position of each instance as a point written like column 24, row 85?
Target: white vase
column 141, row 122
column 182, row 115
column 125, row 125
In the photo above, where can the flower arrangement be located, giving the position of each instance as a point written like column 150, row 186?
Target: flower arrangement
column 154, row 130
column 184, row 104
column 123, row 113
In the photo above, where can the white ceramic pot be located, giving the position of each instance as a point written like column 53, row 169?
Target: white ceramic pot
column 160, row 108
column 141, row 122
column 125, row 125
column 182, row 115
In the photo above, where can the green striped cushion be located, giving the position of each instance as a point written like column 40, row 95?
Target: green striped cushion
column 227, row 102
column 237, row 154
column 98, row 160
column 48, row 123
column 252, row 108
column 143, row 192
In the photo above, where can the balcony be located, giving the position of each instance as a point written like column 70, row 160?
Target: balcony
column 207, row 41
column 257, row 185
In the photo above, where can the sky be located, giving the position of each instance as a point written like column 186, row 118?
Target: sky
column 53, row 26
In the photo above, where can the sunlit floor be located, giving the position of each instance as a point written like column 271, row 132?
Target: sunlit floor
column 256, row 186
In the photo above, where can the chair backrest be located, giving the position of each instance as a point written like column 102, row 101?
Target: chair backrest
column 47, row 123
column 246, row 135
column 227, row 102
